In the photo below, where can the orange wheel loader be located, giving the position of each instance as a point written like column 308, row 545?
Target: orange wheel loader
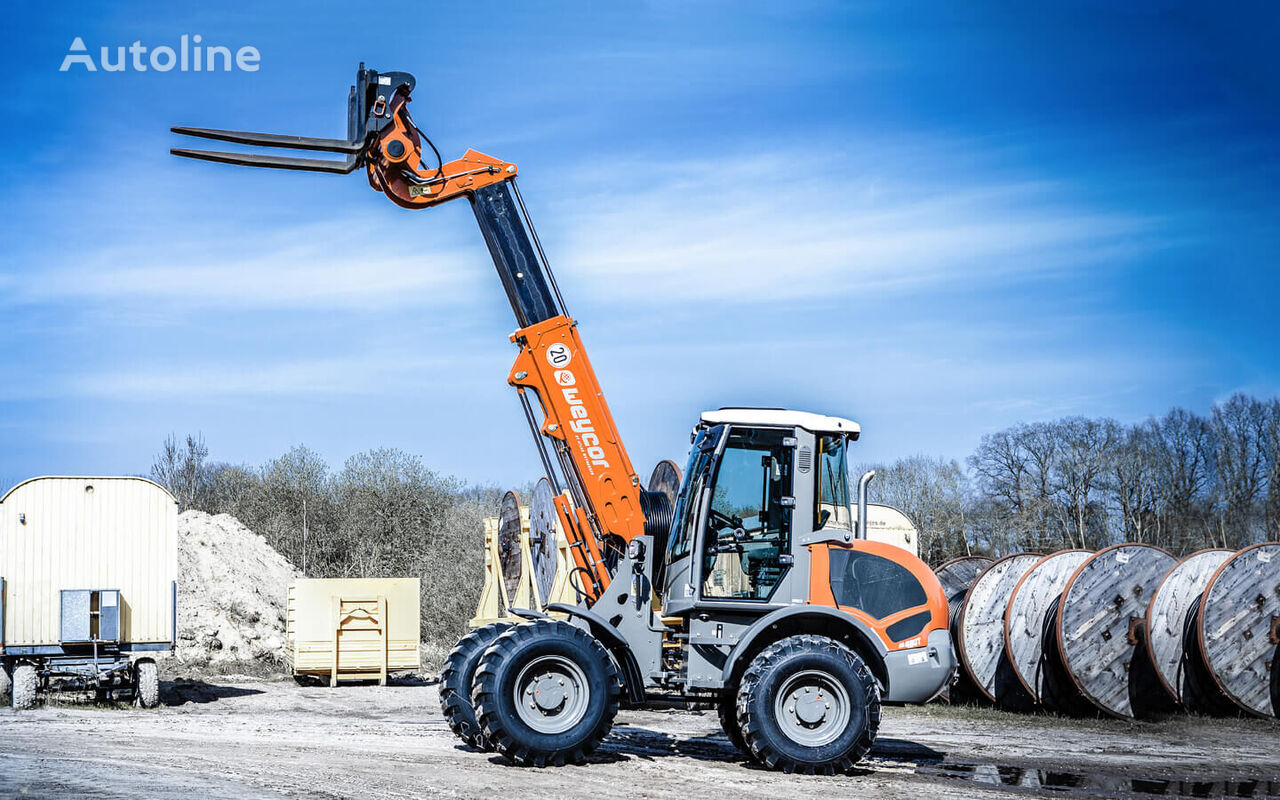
column 756, row 591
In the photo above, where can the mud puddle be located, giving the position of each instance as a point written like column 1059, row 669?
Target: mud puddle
column 1095, row 783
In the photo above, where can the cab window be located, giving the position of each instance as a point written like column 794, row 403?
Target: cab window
column 685, row 513
column 872, row 583
column 747, row 536
column 831, row 506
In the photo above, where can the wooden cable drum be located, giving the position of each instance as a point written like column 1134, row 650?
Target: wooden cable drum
column 1028, row 607
column 956, row 576
column 665, row 478
column 1099, row 629
column 1167, row 622
column 980, row 631
column 543, row 539
column 1238, row 628
column 509, row 535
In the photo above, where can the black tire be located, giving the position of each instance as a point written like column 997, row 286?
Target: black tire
column 6, row 683
column 557, row 662
column 146, row 683
column 24, row 687
column 727, row 710
column 816, row 671
column 456, row 680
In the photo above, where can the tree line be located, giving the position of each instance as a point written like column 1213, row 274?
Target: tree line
column 1182, row 481
column 383, row 514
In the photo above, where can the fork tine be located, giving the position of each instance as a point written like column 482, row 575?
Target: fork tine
column 275, row 162
column 274, row 140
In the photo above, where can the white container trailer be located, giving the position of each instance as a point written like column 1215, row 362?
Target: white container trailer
column 88, row 586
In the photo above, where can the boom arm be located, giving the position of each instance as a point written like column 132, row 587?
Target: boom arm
column 600, row 502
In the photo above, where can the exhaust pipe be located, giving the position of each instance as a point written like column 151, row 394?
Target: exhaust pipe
column 862, row 502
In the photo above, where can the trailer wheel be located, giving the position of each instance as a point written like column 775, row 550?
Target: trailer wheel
column 727, row 709
column 456, row 681
column 809, row 704
column 24, row 687
column 146, row 683
column 546, row 693
column 6, row 682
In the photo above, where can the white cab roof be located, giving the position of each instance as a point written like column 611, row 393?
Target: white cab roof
column 820, row 423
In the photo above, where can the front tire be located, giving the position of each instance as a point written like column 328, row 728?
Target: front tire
column 546, row 694
column 24, row 687
column 809, row 704
column 727, row 710
column 146, row 684
column 457, row 678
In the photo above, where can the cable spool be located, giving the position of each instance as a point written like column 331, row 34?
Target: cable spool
column 659, row 507
column 1028, row 606
column 1167, row 621
column 543, row 526
column 1238, row 628
column 510, row 532
column 1098, row 635
column 980, row 626
column 956, row 576
column 1200, row 690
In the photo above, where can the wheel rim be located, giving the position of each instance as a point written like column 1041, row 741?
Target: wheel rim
column 551, row 694
column 812, row 709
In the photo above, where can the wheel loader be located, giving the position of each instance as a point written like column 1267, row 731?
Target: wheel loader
column 755, row 591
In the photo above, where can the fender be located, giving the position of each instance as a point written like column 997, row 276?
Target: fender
column 830, row 618
column 614, row 643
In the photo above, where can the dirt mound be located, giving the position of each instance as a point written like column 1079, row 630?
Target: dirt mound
column 232, row 589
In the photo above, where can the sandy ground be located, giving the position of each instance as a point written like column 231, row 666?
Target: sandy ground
column 239, row 738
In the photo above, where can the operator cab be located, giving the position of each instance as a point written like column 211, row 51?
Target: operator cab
column 760, row 486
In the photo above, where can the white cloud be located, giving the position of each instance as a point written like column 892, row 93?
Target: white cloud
column 348, row 375
column 790, row 224
column 801, row 225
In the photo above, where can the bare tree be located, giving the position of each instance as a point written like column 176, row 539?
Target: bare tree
column 1240, row 432
column 1083, row 453
column 181, row 470
column 932, row 493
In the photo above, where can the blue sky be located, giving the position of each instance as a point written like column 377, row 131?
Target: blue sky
column 936, row 219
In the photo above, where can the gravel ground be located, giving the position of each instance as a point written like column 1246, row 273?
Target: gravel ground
column 242, row 738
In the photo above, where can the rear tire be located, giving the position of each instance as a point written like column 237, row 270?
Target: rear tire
column 24, row 687
column 146, row 684
column 727, row 710
column 456, row 681
column 809, row 704
column 546, row 694
column 6, row 683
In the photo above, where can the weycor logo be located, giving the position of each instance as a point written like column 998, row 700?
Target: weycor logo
column 189, row 55
column 580, row 419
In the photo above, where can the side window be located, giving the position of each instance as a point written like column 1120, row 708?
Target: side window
column 686, row 510
column 873, row 584
column 831, row 506
column 748, row 530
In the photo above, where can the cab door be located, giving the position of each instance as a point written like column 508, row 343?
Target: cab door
column 746, row 537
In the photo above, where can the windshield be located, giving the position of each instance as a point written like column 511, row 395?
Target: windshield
column 685, row 515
